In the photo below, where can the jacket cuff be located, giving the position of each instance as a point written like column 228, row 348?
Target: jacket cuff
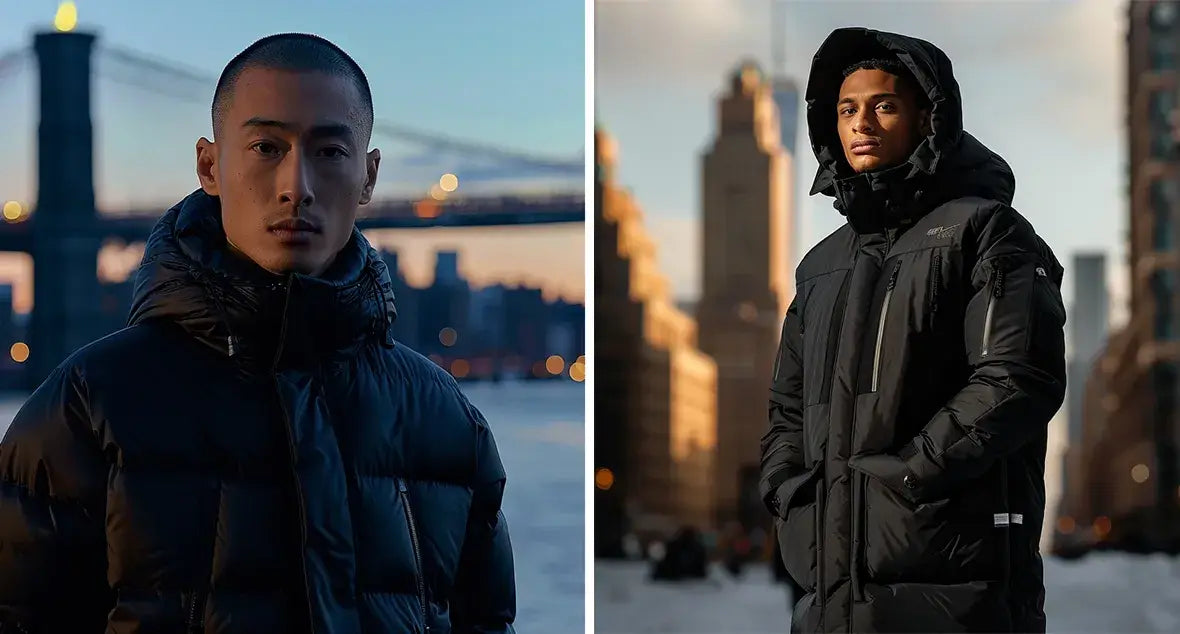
column 923, row 476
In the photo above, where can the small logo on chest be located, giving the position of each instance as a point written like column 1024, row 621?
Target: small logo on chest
column 943, row 233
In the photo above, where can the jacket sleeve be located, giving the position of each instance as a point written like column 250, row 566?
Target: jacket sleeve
column 782, row 445
column 1015, row 338
column 485, row 585
column 52, row 514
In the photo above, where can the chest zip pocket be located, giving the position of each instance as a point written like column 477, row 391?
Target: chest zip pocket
column 997, row 291
column 881, row 324
column 403, row 492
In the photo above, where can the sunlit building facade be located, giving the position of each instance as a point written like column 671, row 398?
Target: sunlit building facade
column 747, row 278
column 655, row 395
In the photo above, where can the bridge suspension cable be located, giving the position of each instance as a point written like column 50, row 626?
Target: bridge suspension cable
column 12, row 61
column 153, row 74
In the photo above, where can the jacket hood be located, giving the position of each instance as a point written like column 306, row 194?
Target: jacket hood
column 189, row 278
column 949, row 163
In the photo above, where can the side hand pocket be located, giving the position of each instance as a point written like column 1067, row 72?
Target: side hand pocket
column 798, row 507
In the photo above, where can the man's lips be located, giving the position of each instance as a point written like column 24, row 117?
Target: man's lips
column 864, row 146
column 295, row 225
column 294, row 230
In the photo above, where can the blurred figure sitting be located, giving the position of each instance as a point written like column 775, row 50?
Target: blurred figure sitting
column 684, row 558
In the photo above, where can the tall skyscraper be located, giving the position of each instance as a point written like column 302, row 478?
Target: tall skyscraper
column 655, row 393
column 747, row 278
column 446, row 268
column 788, row 98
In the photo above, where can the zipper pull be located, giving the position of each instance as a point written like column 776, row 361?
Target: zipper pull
column 998, row 283
column 893, row 276
column 230, row 343
column 401, row 485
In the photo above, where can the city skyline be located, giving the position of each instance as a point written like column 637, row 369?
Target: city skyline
column 479, row 87
column 1067, row 88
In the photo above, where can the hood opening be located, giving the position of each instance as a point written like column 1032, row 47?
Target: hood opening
column 950, row 161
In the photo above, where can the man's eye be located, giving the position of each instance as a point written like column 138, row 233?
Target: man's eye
column 847, row 111
column 333, row 152
column 265, row 148
column 887, row 107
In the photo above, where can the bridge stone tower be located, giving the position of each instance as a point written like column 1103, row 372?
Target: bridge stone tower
column 64, row 236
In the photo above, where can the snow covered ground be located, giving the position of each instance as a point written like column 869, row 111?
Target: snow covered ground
column 1101, row 593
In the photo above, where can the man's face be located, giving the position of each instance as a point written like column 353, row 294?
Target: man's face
column 879, row 121
column 290, row 167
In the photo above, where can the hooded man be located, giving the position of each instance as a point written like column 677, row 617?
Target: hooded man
column 254, row 452
column 920, row 363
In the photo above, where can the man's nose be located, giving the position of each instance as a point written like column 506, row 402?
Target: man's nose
column 295, row 186
column 863, row 122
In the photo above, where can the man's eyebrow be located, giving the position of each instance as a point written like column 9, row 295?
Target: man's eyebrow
column 321, row 130
column 880, row 95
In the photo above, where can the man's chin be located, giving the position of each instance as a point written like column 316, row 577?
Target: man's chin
column 286, row 265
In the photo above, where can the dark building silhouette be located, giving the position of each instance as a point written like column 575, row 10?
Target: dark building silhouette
column 488, row 332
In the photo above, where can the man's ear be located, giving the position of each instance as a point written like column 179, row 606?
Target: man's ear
column 372, row 163
column 207, row 166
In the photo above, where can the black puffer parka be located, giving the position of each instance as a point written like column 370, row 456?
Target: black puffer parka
column 920, row 364
column 252, row 454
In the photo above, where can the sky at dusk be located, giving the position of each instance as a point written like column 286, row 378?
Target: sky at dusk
column 479, row 72
column 1043, row 85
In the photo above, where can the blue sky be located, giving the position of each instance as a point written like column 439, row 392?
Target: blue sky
column 507, row 74
column 1043, row 84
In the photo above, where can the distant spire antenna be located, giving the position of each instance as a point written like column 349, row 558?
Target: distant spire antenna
column 778, row 48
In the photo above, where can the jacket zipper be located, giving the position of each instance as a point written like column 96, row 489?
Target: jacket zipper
column 294, row 454
column 997, row 291
column 881, row 323
column 819, row 537
column 935, row 282
column 860, row 534
column 1007, row 549
column 196, row 613
column 404, row 493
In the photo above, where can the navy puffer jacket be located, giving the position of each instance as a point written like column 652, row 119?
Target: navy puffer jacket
column 252, row 454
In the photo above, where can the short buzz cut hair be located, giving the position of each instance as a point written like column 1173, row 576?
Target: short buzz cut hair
column 900, row 70
column 300, row 52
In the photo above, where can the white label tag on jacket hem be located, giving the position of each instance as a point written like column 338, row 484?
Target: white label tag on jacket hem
column 1004, row 519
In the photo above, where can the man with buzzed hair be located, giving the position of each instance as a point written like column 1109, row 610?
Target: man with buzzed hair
column 254, row 452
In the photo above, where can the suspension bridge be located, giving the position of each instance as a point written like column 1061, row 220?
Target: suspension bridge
column 64, row 230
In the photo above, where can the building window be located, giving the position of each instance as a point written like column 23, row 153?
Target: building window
column 1163, row 17
column 1163, row 285
column 1165, row 197
column 1162, row 41
column 1161, row 116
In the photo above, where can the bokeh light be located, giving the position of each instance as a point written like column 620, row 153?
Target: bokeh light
column 19, row 352
column 66, row 18
column 604, row 479
column 13, row 210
